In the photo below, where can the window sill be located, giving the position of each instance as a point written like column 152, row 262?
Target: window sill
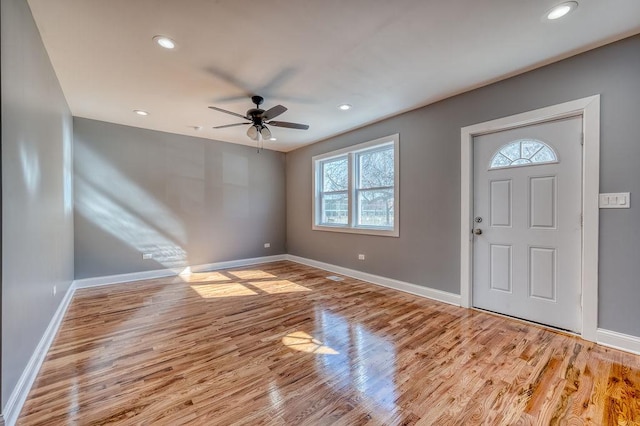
column 359, row 230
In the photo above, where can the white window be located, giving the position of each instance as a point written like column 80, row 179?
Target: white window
column 523, row 152
column 356, row 188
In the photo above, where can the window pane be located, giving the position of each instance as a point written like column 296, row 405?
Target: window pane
column 335, row 175
column 335, row 209
column 500, row 161
column 376, row 168
column 529, row 148
column 375, row 207
column 511, row 151
column 545, row 155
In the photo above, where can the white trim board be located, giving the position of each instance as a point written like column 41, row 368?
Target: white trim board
column 589, row 109
column 20, row 392
column 418, row 290
column 615, row 340
column 162, row 273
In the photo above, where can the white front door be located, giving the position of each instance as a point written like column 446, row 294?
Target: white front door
column 528, row 222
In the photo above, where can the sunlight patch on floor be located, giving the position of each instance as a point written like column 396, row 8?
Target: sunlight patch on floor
column 211, row 291
column 277, row 287
column 252, row 274
column 203, row 277
column 304, row 342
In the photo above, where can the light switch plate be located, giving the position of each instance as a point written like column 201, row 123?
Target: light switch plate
column 615, row 200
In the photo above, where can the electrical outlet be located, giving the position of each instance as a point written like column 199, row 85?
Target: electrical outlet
column 55, row 290
column 361, row 257
column 146, row 256
column 267, row 245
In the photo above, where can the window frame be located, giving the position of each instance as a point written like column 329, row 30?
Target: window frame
column 352, row 154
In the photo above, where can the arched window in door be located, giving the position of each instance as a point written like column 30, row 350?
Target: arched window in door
column 523, row 152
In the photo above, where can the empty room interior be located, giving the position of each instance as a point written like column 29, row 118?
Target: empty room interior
column 303, row 212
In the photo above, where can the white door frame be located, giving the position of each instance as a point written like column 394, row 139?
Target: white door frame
column 589, row 109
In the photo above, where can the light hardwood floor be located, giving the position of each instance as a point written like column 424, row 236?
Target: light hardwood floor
column 279, row 344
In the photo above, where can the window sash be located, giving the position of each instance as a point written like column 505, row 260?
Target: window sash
column 322, row 212
column 322, row 168
column 358, row 222
column 360, row 154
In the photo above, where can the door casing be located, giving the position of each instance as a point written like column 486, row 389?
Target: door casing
column 589, row 109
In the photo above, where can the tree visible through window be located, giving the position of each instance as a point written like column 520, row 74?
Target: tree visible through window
column 375, row 187
column 356, row 188
column 335, row 191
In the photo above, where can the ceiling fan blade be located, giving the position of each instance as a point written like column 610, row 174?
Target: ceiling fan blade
column 288, row 125
column 230, row 125
column 273, row 112
column 228, row 112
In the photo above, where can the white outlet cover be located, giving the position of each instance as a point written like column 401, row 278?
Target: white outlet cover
column 267, row 245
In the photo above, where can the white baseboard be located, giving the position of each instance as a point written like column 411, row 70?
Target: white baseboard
column 418, row 290
column 624, row 342
column 30, row 372
column 162, row 273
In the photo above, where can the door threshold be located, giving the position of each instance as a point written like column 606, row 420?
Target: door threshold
column 529, row 322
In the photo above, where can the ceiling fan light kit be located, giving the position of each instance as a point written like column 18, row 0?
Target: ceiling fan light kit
column 265, row 133
column 252, row 132
column 258, row 119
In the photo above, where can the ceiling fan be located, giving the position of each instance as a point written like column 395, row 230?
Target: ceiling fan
column 258, row 119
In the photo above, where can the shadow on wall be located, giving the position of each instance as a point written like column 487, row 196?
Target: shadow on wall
column 183, row 201
column 108, row 199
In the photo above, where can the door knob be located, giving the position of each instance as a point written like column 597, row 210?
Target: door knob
column 477, row 231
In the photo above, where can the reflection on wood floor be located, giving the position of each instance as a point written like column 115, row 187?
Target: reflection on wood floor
column 280, row 344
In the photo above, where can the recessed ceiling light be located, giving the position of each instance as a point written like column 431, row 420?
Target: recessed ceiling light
column 345, row 107
column 273, row 139
column 561, row 10
column 165, row 42
column 140, row 112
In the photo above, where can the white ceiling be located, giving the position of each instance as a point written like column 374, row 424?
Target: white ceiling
column 383, row 57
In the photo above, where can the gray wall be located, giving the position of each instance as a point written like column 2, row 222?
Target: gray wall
column 427, row 252
column 185, row 200
column 37, row 206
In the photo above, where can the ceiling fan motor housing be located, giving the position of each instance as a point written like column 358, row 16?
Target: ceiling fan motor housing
column 255, row 115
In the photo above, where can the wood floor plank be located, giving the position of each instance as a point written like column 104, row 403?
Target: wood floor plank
column 280, row 344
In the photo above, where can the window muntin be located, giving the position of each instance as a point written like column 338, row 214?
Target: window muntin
column 356, row 188
column 523, row 152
